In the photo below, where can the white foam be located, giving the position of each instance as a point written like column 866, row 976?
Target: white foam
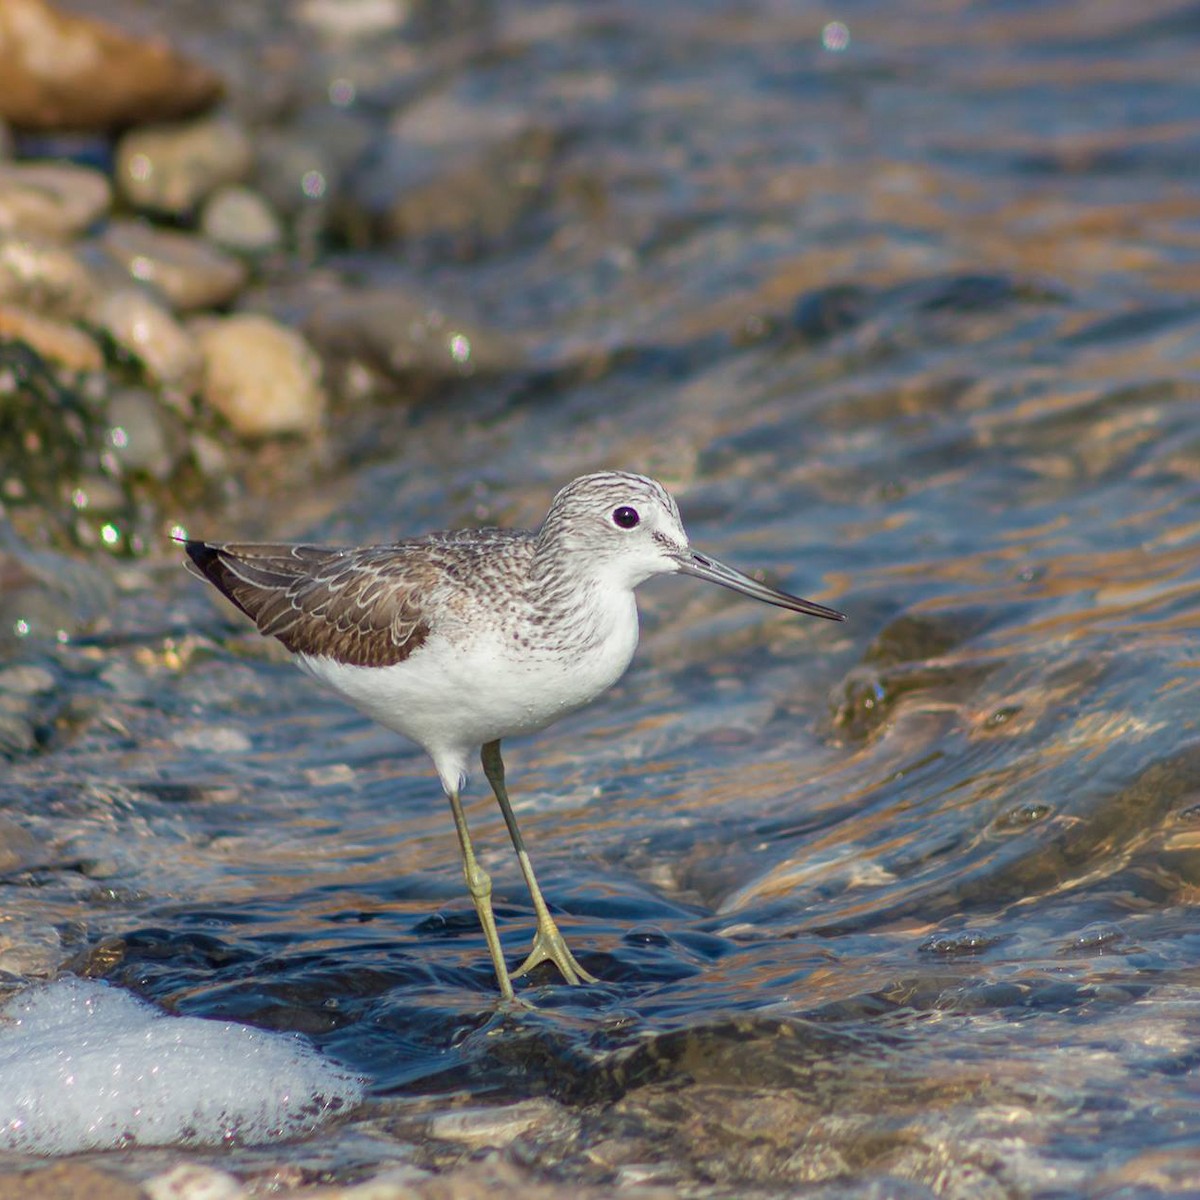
column 86, row 1066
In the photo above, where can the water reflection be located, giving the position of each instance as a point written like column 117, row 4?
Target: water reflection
column 910, row 906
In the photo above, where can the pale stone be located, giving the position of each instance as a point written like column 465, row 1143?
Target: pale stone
column 263, row 377
column 240, row 219
column 55, row 200
column 44, row 276
column 148, row 331
column 172, row 168
column 187, row 270
column 193, row 1181
column 52, row 339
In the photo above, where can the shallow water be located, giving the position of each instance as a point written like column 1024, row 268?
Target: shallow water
column 907, row 903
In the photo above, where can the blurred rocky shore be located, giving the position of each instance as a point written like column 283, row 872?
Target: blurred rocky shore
column 169, row 338
column 168, row 341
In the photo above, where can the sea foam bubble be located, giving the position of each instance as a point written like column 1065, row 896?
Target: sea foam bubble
column 86, row 1066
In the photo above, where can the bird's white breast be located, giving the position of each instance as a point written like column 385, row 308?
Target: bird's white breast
column 465, row 687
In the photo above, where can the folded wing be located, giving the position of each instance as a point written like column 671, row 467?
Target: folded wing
column 361, row 606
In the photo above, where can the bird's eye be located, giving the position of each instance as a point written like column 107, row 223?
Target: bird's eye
column 625, row 517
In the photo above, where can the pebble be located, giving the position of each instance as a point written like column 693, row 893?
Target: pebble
column 126, row 682
column 101, row 77
column 397, row 1183
column 52, row 339
column 172, row 168
column 240, row 219
column 491, row 1126
column 27, row 679
column 66, row 1179
column 295, row 173
column 98, row 493
column 407, row 335
column 193, row 1181
column 18, row 737
column 301, row 168
column 28, row 946
column 58, row 596
column 211, row 456
column 138, row 436
column 213, row 739
column 353, row 19
column 450, row 167
column 44, row 276
column 148, row 331
column 188, row 271
column 261, row 376
column 54, row 200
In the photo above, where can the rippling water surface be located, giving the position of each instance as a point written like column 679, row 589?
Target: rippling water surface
column 908, row 903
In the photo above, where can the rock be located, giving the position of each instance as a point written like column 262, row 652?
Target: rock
column 406, row 336
column 66, row 1179
column 44, row 276
column 194, row 1181
column 218, row 740
column 18, row 737
column 55, row 200
column 62, row 71
column 296, row 176
column 27, row 679
column 300, row 168
column 188, row 271
column 455, row 170
column 262, row 377
column 55, row 481
column 172, row 168
column 491, row 1125
column 52, row 339
column 138, row 434
column 145, row 329
column 47, row 595
column 241, row 220
column 353, row 20
column 29, row 945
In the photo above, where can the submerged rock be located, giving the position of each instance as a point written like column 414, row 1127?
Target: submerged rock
column 458, row 172
column 406, row 336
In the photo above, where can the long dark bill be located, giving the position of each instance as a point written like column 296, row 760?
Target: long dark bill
column 703, row 567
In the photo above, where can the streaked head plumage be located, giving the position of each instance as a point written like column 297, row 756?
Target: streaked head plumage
column 628, row 525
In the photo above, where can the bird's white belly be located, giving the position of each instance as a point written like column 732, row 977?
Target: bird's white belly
column 460, row 695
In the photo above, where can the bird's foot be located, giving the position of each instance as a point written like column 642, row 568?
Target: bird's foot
column 514, row 1006
column 550, row 946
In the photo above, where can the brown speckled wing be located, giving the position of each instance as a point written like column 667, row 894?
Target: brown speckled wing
column 361, row 606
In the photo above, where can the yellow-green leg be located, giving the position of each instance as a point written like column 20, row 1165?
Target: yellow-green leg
column 548, row 944
column 479, row 884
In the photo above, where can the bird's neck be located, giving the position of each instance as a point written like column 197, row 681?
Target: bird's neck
column 576, row 587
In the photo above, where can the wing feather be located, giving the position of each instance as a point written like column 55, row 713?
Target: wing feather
column 364, row 607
